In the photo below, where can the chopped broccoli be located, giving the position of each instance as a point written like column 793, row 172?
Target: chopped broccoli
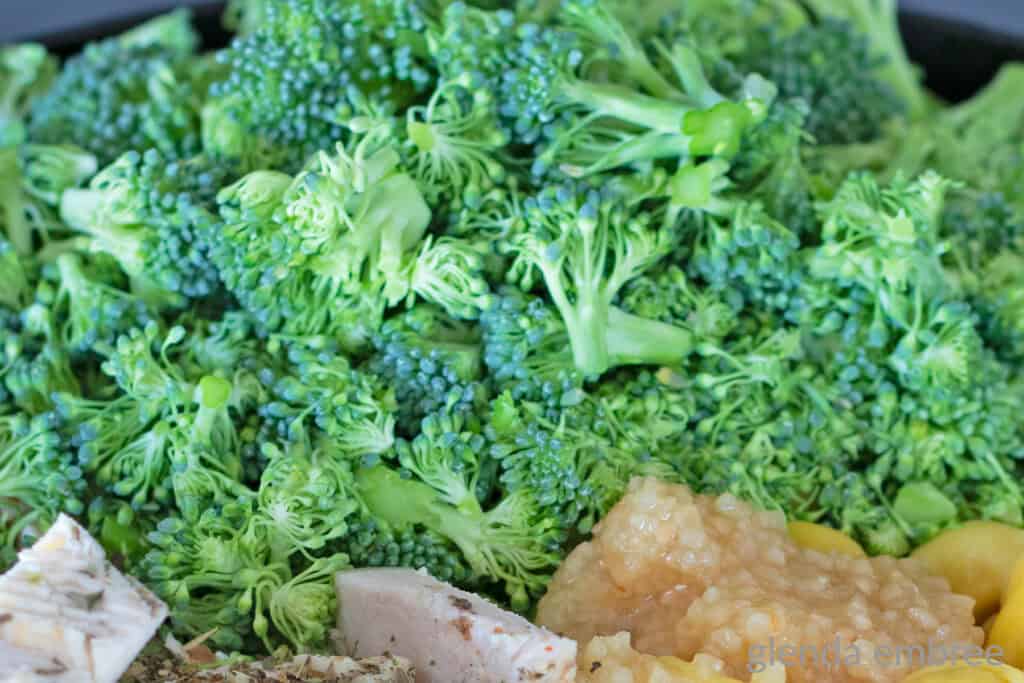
column 425, row 283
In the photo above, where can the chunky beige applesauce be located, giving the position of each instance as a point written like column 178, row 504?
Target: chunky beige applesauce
column 699, row 576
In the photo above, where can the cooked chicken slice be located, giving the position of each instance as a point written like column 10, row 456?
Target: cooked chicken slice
column 450, row 636
column 65, row 605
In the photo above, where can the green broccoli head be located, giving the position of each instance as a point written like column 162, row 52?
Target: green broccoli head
column 300, row 73
column 130, row 92
column 155, row 216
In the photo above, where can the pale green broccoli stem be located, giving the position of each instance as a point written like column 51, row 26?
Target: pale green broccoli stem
column 16, row 286
column 632, row 340
column 663, row 116
column 12, row 203
column 603, row 337
column 26, row 71
column 212, row 426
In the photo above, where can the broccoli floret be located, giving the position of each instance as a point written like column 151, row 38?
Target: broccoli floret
column 979, row 141
column 557, row 88
column 206, row 457
column 771, row 169
column 94, row 309
column 585, row 247
column 999, row 298
column 835, row 70
column 156, row 217
column 432, row 362
column 877, row 20
column 558, row 93
column 751, row 258
column 668, row 295
column 131, row 92
column 124, row 441
column 321, row 388
column 306, row 498
column 884, row 243
column 37, row 481
column 49, row 170
column 576, row 466
column 301, row 71
column 438, row 488
column 372, row 542
column 35, row 365
column 456, row 143
column 468, row 44
column 527, row 351
column 328, row 252
column 203, row 569
column 218, row 573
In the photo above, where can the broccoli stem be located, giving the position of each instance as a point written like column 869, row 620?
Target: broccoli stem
column 646, row 147
column 586, row 322
column 633, row 340
column 622, row 103
column 604, row 337
column 12, row 203
column 399, row 502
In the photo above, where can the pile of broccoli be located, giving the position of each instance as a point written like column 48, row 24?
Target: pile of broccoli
column 424, row 283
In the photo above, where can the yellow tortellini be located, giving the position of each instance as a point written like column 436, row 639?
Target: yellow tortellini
column 823, row 539
column 977, row 559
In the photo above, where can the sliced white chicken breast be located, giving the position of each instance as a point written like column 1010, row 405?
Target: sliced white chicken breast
column 64, row 605
column 450, row 636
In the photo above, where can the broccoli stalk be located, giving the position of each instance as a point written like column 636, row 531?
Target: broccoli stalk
column 14, row 216
column 12, row 273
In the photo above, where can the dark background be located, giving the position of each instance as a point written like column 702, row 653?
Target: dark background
column 960, row 43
